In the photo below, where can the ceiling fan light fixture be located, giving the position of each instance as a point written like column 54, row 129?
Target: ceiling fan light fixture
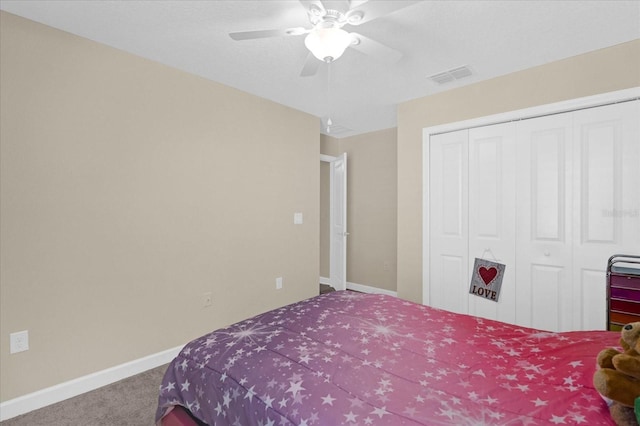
column 327, row 44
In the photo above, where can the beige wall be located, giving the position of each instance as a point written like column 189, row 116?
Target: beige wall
column 371, row 206
column 128, row 189
column 600, row 71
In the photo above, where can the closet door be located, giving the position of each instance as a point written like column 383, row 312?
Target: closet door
column 492, row 176
column 552, row 198
column 606, row 202
column 448, row 221
column 543, row 215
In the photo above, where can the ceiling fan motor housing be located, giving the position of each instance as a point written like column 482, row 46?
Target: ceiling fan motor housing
column 329, row 18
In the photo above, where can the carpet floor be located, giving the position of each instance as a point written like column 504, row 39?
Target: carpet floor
column 129, row 402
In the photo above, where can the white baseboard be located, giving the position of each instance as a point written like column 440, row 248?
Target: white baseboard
column 42, row 398
column 368, row 289
column 325, row 280
column 362, row 288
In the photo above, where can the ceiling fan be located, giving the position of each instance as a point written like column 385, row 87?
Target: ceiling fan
column 326, row 39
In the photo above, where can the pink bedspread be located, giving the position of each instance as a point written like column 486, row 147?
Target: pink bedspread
column 347, row 358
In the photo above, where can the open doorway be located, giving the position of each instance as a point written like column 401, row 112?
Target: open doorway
column 333, row 218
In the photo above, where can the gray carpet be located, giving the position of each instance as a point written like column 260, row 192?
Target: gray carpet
column 129, row 402
column 324, row 289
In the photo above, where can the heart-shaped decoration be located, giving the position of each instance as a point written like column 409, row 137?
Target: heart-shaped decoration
column 488, row 274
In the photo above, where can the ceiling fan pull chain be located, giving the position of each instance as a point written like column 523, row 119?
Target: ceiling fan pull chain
column 329, row 122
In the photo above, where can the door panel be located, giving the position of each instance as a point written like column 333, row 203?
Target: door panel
column 599, row 183
column 543, row 239
column 549, row 291
column 547, row 166
column 338, row 219
column 452, row 272
column 448, row 273
column 606, row 202
column 592, row 293
column 492, row 152
column 452, row 183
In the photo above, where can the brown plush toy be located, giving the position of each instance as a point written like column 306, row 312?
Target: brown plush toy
column 618, row 378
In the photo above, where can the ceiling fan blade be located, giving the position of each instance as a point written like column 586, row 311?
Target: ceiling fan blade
column 249, row 35
column 371, row 10
column 310, row 67
column 375, row 49
column 341, row 5
column 308, row 3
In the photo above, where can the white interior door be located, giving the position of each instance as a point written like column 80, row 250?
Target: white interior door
column 606, row 201
column 492, row 205
column 338, row 222
column 448, row 221
column 543, row 236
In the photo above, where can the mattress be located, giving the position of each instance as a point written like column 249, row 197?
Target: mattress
column 347, row 358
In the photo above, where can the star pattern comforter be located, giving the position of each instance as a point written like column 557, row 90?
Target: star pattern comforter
column 348, row 358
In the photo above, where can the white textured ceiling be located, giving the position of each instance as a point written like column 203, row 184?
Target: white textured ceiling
column 359, row 93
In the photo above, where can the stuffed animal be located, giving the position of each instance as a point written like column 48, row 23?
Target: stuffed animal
column 629, row 336
column 618, row 378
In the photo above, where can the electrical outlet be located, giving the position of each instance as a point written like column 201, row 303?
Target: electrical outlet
column 19, row 342
column 386, row 266
column 278, row 283
column 206, row 299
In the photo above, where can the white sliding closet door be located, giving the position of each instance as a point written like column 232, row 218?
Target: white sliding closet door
column 492, row 207
column 606, row 201
column 543, row 237
column 448, row 217
column 551, row 197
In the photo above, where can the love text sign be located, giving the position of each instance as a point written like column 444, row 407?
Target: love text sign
column 486, row 279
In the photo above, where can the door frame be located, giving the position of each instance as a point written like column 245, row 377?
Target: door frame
column 339, row 283
column 521, row 114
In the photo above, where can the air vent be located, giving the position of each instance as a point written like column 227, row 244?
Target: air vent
column 451, row 75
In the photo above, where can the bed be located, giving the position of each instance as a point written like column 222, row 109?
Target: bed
column 347, row 358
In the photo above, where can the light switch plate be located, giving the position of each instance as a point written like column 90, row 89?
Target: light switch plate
column 297, row 218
